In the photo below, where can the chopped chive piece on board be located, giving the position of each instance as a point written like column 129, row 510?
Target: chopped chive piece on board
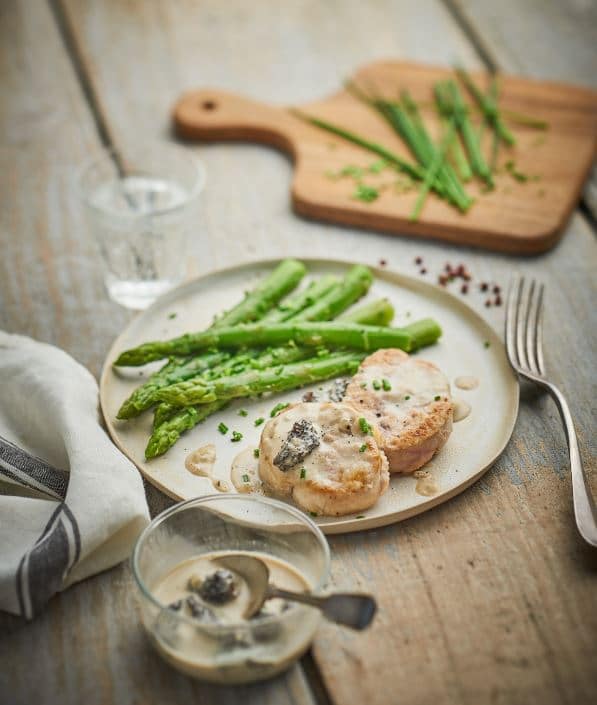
column 243, row 412
column 386, row 385
column 222, row 428
column 259, row 421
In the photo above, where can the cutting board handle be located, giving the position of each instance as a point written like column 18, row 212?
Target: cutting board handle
column 211, row 114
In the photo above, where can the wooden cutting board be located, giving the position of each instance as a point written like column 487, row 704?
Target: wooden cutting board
column 524, row 218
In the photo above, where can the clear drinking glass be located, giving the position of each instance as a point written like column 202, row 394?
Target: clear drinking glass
column 230, row 653
column 140, row 210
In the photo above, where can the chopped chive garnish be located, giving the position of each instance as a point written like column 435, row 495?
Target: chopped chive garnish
column 172, row 315
column 360, row 516
column 222, row 428
column 259, row 421
column 246, row 478
column 278, row 408
column 363, row 448
column 364, row 425
column 236, row 436
column 386, row 385
column 378, row 167
column 365, row 193
column 407, row 397
column 436, row 397
column 243, row 412
column 313, row 514
column 486, row 344
column 256, row 452
column 376, row 384
column 303, row 473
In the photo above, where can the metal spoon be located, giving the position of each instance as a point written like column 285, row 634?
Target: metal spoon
column 355, row 610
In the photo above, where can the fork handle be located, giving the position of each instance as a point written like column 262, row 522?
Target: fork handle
column 584, row 505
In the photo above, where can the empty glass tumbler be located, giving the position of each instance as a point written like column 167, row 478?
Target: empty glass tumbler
column 141, row 210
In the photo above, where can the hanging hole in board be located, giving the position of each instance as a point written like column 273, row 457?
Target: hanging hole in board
column 209, row 105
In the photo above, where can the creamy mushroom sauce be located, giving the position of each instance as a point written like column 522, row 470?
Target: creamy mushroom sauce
column 225, row 647
column 466, row 382
column 201, row 462
column 425, row 485
column 244, row 473
column 461, row 410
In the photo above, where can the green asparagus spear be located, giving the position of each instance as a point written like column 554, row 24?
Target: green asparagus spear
column 143, row 397
column 283, row 279
column 266, row 294
column 289, row 308
column 418, row 334
column 355, row 284
column 378, row 312
column 200, row 391
column 333, row 335
column 184, row 420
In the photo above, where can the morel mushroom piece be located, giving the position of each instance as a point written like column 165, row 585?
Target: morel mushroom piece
column 219, row 587
column 302, row 440
column 199, row 611
column 337, row 390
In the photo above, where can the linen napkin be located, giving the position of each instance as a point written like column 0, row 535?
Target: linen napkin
column 71, row 504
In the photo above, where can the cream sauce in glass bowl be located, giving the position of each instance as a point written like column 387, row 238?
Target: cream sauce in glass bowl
column 213, row 641
column 196, row 623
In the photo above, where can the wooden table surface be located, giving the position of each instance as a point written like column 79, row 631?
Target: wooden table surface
column 489, row 598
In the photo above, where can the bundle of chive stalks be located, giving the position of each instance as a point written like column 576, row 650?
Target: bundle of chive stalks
column 268, row 342
column 444, row 166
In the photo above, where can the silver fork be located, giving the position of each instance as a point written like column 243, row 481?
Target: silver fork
column 524, row 345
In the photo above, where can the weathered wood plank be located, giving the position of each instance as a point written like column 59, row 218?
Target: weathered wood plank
column 541, row 38
column 51, row 284
column 461, row 633
column 429, row 644
column 87, row 646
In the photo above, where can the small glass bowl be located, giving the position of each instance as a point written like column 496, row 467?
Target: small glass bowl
column 232, row 653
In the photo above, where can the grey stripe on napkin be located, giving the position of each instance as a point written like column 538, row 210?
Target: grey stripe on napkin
column 16, row 465
column 42, row 570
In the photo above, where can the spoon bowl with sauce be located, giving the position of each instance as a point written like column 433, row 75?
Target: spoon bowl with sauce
column 355, row 610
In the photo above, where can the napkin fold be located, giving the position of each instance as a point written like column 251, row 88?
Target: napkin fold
column 71, row 504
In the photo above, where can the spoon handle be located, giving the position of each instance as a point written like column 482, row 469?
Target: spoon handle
column 355, row 610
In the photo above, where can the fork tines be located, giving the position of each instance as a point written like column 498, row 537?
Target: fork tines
column 524, row 327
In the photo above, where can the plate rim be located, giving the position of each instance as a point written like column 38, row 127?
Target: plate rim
column 340, row 524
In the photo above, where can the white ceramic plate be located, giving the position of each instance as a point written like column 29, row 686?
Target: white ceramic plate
column 474, row 445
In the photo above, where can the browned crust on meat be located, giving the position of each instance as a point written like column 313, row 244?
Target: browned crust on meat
column 410, row 442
